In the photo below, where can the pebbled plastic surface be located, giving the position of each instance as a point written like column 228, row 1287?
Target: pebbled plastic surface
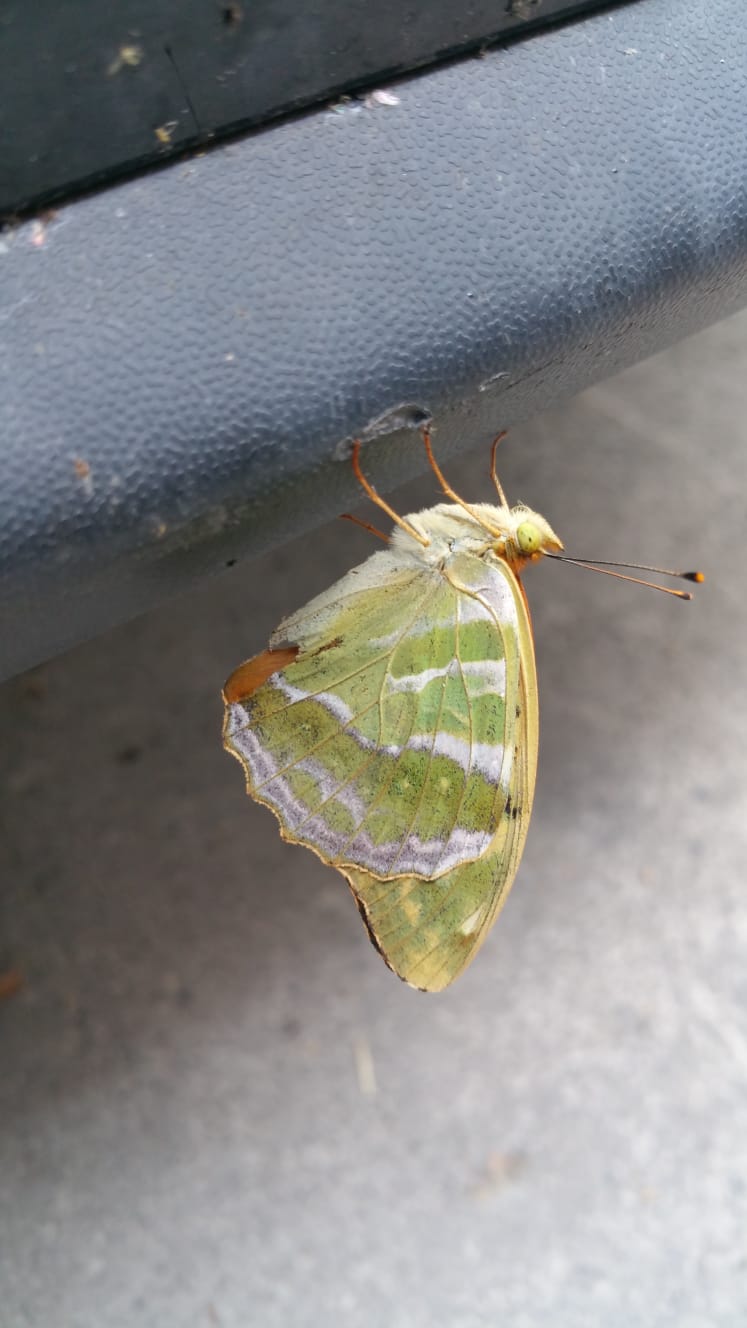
column 183, row 357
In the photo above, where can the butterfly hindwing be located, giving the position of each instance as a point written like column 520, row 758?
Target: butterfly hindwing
column 381, row 744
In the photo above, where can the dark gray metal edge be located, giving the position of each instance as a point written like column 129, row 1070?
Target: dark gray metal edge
column 91, row 92
column 183, row 358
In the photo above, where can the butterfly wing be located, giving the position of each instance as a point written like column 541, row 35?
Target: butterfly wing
column 428, row 931
column 379, row 741
column 397, row 737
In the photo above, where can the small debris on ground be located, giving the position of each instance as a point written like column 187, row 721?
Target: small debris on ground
column 11, row 981
column 364, row 1066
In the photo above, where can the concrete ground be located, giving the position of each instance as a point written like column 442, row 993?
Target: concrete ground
column 219, row 1109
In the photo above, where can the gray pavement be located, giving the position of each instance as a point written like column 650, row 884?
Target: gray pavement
column 218, row 1109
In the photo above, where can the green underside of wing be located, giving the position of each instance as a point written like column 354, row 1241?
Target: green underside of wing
column 429, row 931
column 374, row 750
column 418, row 926
column 411, row 793
column 360, row 748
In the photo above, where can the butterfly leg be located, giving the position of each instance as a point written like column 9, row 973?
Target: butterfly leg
column 365, row 525
column 375, row 497
column 493, row 472
column 450, row 493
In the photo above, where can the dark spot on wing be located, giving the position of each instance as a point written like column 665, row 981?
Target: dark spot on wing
column 329, row 645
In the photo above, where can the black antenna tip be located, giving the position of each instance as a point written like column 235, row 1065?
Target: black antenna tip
column 694, row 576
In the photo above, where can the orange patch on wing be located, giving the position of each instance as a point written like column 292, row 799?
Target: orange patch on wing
column 250, row 675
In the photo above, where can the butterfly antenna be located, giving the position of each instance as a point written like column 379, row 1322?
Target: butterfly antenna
column 376, row 498
column 450, row 493
column 698, row 577
column 493, row 472
column 619, row 576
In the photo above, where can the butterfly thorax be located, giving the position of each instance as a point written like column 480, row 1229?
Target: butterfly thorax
column 515, row 535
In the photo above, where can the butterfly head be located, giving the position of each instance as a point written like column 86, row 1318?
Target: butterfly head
column 528, row 537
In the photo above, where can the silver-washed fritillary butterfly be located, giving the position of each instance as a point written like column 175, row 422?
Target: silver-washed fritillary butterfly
column 392, row 726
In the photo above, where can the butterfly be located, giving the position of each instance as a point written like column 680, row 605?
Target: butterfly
column 392, row 725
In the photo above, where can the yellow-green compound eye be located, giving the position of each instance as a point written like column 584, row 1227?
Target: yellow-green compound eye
column 528, row 536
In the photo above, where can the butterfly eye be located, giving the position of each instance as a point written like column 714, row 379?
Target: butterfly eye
column 528, row 537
